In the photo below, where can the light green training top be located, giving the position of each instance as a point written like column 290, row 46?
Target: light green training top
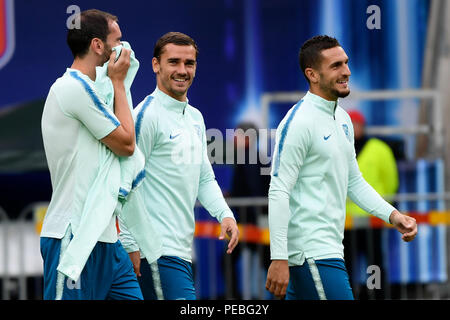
column 313, row 170
column 74, row 119
column 88, row 179
column 172, row 136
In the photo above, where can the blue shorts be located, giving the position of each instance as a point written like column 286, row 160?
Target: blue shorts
column 171, row 278
column 107, row 275
column 319, row 279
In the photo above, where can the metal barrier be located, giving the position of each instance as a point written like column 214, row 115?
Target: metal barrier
column 437, row 287
column 4, row 227
column 217, row 279
column 435, row 128
column 20, row 257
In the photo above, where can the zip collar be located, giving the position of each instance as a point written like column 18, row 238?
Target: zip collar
column 328, row 107
column 170, row 103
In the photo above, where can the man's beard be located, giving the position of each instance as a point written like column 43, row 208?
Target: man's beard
column 106, row 54
column 333, row 91
column 340, row 94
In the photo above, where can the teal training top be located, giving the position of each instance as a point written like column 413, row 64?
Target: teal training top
column 88, row 179
column 172, row 136
column 313, row 169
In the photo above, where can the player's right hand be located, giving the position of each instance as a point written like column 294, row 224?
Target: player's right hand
column 278, row 278
column 406, row 225
column 117, row 70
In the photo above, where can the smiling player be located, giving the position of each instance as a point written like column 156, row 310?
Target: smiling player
column 314, row 169
column 171, row 134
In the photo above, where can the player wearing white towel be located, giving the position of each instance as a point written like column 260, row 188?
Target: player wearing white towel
column 76, row 127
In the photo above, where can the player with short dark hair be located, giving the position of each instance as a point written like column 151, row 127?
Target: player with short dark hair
column 95, row 25
column 314, row 169
column 172, row 135
column 176, row 38
column 309, row 55
column 77, row 128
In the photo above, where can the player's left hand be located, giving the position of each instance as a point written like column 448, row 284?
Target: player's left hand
column 135, row 258
column 229, row 227
column 406, row 225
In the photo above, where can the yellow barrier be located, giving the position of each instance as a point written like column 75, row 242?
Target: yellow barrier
column 255, row 234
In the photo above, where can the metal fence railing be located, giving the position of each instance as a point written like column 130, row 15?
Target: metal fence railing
column 4, row 228
column 405, row 276
column 20, row 262
column 434, row 129
column 417, row 270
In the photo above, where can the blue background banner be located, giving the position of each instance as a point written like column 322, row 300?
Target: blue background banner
column 246, row 48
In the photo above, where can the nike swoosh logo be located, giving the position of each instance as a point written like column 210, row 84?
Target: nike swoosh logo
column 173, row 137
column 326, row 138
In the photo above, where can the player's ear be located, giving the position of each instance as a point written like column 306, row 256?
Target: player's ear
column 312, row 75
column 97, row 46
column 155, row 65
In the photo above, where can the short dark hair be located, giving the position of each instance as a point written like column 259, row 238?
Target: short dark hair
column 93, row 24
column 310, row 55
column 178, row 38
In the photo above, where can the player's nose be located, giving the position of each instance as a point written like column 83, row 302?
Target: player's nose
column 347, row 71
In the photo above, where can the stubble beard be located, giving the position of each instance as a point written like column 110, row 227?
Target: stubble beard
column 106, row 54
column 333, row 92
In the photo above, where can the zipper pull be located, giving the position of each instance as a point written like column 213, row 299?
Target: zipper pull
column 334, row 111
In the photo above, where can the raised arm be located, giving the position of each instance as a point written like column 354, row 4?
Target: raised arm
column 121, row 141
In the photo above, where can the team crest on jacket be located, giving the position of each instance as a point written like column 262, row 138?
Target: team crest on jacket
column 7, row 41
column 345, row 128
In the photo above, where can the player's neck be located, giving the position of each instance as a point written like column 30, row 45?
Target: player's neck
column 182, row 98
column 86, row 67
column 315, row 90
